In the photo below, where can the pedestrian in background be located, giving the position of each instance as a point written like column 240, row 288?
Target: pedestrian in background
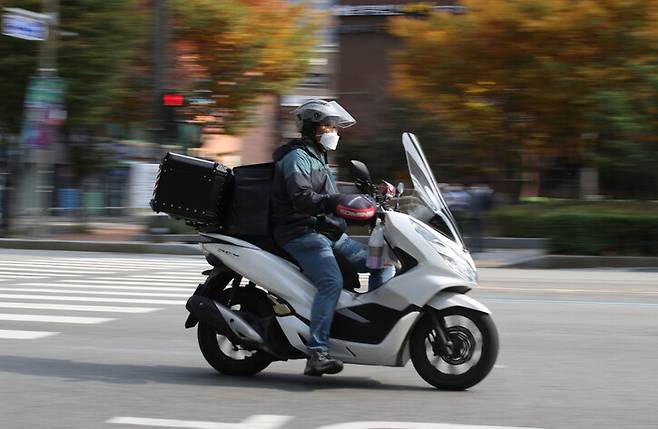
column 480, row 202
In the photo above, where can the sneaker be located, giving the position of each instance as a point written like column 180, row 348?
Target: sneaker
column 321, row 363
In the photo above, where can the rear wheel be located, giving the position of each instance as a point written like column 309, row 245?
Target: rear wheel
column 474, row 352
column 219, row 351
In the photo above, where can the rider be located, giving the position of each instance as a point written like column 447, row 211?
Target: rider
column 308, row 218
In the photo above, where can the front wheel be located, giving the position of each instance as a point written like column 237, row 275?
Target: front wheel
column 475, row 349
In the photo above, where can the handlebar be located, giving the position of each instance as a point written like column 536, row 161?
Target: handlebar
column 382, row 194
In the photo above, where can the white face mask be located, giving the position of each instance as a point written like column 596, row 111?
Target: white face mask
column 329, row 140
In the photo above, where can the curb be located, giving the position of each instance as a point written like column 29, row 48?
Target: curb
column 532, row 262
column 581, row 261
column 506, row 243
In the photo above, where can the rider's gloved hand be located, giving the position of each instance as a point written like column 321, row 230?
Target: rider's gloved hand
column 386, row 189
column 355, row 207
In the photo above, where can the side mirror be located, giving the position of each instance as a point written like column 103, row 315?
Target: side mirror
column 400, row 188
column 360, row 171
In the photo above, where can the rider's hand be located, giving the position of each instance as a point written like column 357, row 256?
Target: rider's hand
column 356, row 207
column 386, row 189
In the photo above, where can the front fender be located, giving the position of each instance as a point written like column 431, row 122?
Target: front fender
column 448, row 299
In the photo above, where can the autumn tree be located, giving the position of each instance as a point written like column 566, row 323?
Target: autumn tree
column 240, row 50
column 524, row 81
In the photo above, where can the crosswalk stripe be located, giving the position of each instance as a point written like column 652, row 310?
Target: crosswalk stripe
column 9, row 270
column 53, row 319
column 191, row 283
column 93, row 292
column 166, row 279
column 15, row 275
column 160, row 262
column 111, row 268
column 24, row 335
column 25, row 266
column 74, row 307
column 90, row 299
column 166, row 274
column 104, row 267
column 161, row 275
column 67, row 284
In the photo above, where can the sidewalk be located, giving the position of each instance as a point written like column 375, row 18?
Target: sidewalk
column 133, row 238
column 501, row 258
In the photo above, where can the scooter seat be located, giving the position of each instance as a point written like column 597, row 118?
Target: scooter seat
column 268, row 244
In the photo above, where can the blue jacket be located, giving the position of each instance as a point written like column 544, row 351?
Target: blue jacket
column 303, row 191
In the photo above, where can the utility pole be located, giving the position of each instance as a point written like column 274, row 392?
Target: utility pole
column 161, row 35
column 43, row 111
column 48, row 51
column 44, row 156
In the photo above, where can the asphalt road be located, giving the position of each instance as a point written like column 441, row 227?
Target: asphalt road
column 90, row 340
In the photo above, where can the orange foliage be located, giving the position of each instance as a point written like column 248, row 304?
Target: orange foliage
column 540, row 77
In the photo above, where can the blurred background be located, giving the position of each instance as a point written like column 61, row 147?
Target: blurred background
column 540, row 118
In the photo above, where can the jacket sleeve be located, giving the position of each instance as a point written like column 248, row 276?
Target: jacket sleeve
column 296, row 171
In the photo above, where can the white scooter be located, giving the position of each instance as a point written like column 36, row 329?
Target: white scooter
column 422, row 313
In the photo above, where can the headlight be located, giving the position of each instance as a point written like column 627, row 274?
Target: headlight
column 463, row 269
column 458, row 266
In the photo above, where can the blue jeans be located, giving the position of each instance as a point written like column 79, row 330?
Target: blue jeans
column 315, row 254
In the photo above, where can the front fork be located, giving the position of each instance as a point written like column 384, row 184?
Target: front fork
column 443, row 345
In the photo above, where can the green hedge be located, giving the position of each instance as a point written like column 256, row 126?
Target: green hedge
column 623, row 228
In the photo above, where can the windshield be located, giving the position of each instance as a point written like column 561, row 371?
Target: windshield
column 427, row 204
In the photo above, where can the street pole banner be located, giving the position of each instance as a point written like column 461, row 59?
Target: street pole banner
column 24, row 27
column 44, row 109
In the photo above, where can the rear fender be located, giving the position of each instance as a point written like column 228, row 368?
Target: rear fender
column 217, row 280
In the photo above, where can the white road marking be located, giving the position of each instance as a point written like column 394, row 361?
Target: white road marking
column 19, row 276
column 94, row 292
column 45, row 274
column 89, row 299
column 53, row 271
column 52, row 319
column 111, row 268
column 24, row 335
column 196, row 262
column 161, row 274
column 131, row 282
column 253, row 422
column 68, row 284
column 73, row 307
column 275, row 422
column 168, row 279
column 90, row 263
column 55, row 267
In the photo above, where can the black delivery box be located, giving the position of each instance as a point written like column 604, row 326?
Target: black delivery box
column 193, row 189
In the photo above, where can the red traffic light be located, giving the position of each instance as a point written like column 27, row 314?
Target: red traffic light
column 173, row 100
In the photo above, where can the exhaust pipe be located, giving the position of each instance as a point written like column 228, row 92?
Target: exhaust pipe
column 225, row 321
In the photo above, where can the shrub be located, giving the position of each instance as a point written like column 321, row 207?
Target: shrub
column 623, row 228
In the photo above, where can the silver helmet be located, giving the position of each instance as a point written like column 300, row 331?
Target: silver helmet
column 319, row 110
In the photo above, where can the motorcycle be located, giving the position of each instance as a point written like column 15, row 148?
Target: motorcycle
column 254, row 307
